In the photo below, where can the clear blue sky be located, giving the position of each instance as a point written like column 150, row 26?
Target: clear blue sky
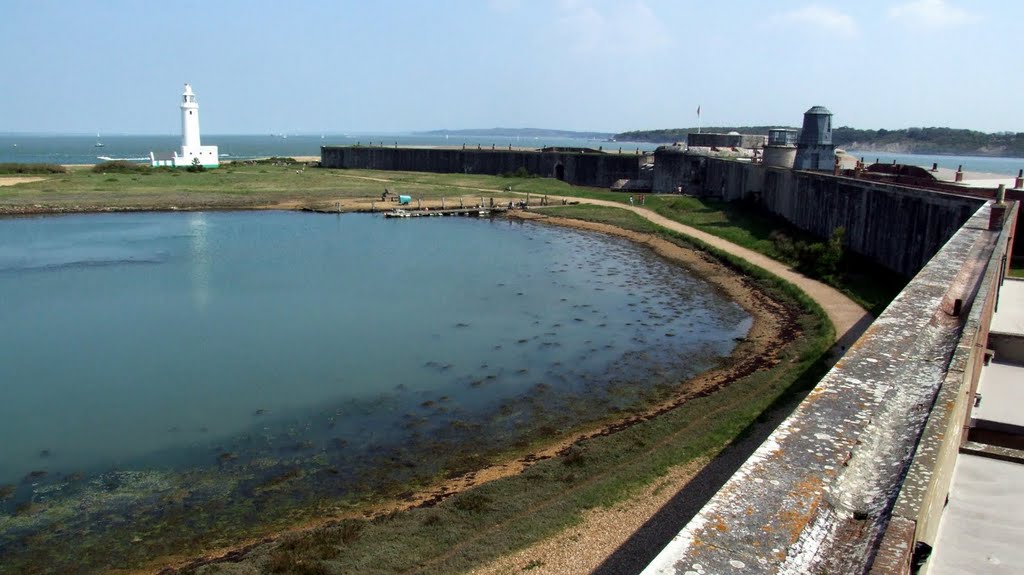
column 605, row 65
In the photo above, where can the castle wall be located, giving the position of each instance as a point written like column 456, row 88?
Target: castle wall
column 577, row 168
column 899, row 227
column 671, row 171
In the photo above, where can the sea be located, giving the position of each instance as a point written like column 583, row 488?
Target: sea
column 59, row 149
column 84, row 149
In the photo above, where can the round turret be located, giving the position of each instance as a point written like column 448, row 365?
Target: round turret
column 780, row 152
column 815, row 150
column 817, row 127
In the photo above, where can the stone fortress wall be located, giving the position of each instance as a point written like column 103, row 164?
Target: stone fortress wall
column 578, row 167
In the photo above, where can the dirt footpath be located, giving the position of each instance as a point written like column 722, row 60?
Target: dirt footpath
column 15, row 180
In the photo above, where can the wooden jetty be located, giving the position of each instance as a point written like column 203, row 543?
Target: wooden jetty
column 423, row 213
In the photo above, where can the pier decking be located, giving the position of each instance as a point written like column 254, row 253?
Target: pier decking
column 421, row 213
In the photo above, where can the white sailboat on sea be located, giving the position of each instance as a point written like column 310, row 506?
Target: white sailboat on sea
column 98, row 143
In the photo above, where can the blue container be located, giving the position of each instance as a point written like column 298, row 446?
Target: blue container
column 403, row 200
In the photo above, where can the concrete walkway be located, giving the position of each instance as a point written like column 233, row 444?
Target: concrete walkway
column 850, row 320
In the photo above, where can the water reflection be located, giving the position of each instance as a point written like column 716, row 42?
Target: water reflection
column 199, row 259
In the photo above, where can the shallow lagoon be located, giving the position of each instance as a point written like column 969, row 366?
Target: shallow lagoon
column 211, row 359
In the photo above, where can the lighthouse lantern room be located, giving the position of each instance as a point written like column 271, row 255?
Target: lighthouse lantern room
column 192, row 153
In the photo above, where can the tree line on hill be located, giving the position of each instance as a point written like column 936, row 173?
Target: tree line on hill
column 906, row 140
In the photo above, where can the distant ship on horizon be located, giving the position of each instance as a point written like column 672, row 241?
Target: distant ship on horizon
column 98, row 143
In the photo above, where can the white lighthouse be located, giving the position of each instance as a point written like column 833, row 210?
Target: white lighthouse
column 192, row 151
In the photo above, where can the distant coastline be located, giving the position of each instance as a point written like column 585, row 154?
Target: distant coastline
column 520, row 133
column 940, row 141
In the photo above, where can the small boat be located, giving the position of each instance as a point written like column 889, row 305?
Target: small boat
column 98, row 143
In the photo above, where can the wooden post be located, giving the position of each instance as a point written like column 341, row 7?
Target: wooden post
column 461, row 205
column 442, row 202
column 419, row 204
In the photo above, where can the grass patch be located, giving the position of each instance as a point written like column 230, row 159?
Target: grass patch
column 604, row 215
column 253, row 183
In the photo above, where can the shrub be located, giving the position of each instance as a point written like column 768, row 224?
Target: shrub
column 521, row 172
column 18, row 168
column 473, row 502
column 817, row 259
column 120, row 167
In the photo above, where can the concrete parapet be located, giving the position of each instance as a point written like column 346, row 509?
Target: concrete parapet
column 779, row 156
column 818, row 495
column 731, row 140
column 922, row 496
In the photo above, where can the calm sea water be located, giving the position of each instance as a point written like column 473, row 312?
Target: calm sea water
column 83, row 150
column 139, row 341
column 983, row 164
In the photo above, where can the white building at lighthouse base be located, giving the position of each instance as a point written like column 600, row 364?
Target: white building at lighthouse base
column 207, row 156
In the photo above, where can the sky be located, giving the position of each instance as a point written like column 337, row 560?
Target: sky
column 340, row 66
